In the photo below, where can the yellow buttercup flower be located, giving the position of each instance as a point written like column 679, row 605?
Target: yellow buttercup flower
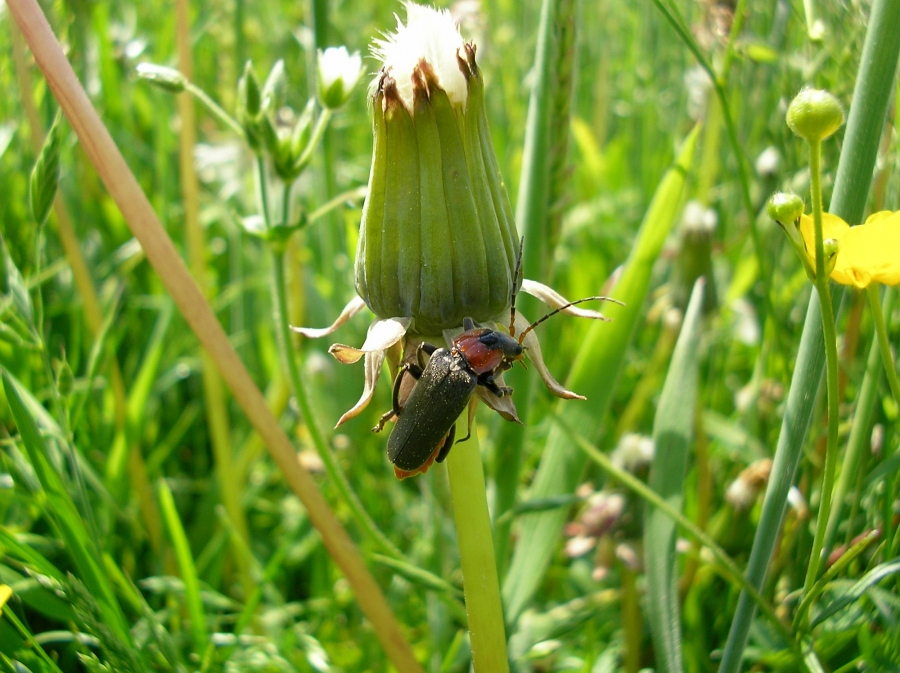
column 867, row 253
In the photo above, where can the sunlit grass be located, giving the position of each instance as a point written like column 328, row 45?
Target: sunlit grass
column 118, row 535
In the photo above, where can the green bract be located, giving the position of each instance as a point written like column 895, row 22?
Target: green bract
column 437, row 239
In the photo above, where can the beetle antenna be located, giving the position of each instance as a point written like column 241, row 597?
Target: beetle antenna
column 563, row 308
column 517, row 282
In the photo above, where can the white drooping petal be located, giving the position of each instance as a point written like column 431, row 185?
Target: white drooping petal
column 353, row 307
column 382, row 335
column 555, row 300
column 428, row 34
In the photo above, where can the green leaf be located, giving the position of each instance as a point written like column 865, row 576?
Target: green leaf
column 672, row 432
column 594, row 374
column 45, row 175
column 186, row 566
column 65, row 518
column 856, row 592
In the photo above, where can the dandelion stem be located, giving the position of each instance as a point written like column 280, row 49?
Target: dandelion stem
column 886, row 356
column 831, row 369
column 487, row 634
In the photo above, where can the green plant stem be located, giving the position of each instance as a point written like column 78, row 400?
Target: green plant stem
column 831, row 370
column 316, row 136
column 887, row 357
column 215, row 108
column 801, row 618
column 487, row 634
column 283, row 330
column 877, row 70
column 286, row 203
column 673, row 16
column 32, row 643
column 331, row 467
column 60, row 408
column 262, row 190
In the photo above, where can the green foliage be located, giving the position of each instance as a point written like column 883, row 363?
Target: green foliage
column 115, row 540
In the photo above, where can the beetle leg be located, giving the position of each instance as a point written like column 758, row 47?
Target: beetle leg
column 426, row 348
column 448, row 443
column 473, row 405
column 487, row 380
column 415, row 371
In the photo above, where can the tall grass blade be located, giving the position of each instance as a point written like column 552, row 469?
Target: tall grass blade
column 64, row 516
column 594, row 375
column 672, row 431
column 186, row 567
column 864, row 127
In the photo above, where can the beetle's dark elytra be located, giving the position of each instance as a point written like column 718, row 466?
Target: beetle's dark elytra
column 444, row 388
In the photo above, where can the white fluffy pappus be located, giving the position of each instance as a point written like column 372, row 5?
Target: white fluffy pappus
column 429, row 34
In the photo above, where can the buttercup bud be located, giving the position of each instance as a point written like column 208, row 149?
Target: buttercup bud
column 830, row 249
column 339, row 71
column 784, row 207
column 814, row 114
column 437, row 239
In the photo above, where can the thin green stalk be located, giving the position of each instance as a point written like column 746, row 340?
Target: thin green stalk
column 887, row 357
column 289, row 358
column 801, row 618
column 316, row 137
column 674, row 18
column 877, row 71
column 262, row 190
column 831, row 369
column 215, row 108
column 331, row 467
column 61, row 411
column 487, row 633
column 186, row 567
column 286, row 203
column 32, row 643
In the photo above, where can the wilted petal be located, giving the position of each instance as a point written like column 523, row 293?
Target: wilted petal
column 502, row 405
column 382, row 335
column 353, row 307
column 373, row 364
column 534, row 354
column 555, row 300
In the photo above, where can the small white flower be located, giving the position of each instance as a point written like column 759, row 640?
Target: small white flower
column 633, row 452
column 768, row 162
column 430, row 35
column 339, row 71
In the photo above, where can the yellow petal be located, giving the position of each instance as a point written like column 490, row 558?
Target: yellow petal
column 870, row 252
